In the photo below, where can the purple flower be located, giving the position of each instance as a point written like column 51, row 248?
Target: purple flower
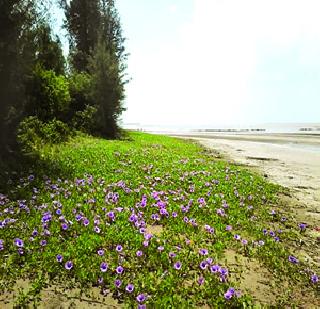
column 174, row 215
column 237, row 237
column 111, row 215
column 148, row 236
column 203, row 265
column 223, row 271
column 231, row 291
column 314, row 278
column 215, row 268
column 142, row 306
column 209, row 260
column 146, row 243
column 228, row 228
column 203, row 251
column 100, row 252
column 85, row 221
column 119, row 248
column 130, row 288
column 160, row 248
column 293, row 259
column 119, row 270
column 43, row 242
column 139, row 253
column 68, row 265
column 244, row 242
column 302, row 226
column 201, row 281
column 172, row 254
column 177, row 265
column 141, row 298
column 58, row 212
column 64, row 226
column 34, row 233
column 59, row 258
column 100, row 281
column 103, row 267
column 117, row 283
column 18, row 242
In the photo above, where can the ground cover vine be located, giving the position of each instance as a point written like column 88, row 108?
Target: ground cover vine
column 147, row 220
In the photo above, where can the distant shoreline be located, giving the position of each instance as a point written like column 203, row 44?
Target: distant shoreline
column 311, row 139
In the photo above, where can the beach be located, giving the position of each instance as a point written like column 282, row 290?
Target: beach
column 290, row 160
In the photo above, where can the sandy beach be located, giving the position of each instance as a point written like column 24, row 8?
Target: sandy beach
column 290, row 160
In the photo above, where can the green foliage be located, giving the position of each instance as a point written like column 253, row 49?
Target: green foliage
column 83, row 20
column 33, row 133
column 97, row 48
column 49, row 95
column 134, row 181
column 55, row 131
column 85, row 120
column 107, row 90
column 79, row 88
column 29, row 134
column 16, row 20
column 48, row 50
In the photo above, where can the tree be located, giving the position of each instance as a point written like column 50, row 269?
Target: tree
column 107, row 90
column 48, row 49
column 83, row 20
column 16, row 20
column 97, row 47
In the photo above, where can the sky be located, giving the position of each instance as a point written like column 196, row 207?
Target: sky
column 220, row 62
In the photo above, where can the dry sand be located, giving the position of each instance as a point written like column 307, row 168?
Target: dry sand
column 292, row 161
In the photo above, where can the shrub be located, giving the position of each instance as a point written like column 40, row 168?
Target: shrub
column 29, row 134
column 55, row 131
column 79, row 88
column 33, row 133
column 85, row 120
column 49, row 95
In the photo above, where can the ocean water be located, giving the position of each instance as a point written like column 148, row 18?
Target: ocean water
column 264, row 128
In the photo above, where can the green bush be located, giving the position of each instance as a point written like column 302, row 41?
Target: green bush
column 33, row 133
column 79, row 88
column 29, row 134
column 55, row 131
column 49, row 95
column 85, row 120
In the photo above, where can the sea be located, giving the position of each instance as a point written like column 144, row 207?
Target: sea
column 263, row 128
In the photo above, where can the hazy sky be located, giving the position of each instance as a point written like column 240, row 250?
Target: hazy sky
column 222, row 61
column 214, row 62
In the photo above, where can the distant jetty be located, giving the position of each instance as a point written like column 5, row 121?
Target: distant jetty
column 230, row 130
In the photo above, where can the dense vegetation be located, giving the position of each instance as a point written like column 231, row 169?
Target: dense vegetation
column 41, row 91
column 149, row 221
